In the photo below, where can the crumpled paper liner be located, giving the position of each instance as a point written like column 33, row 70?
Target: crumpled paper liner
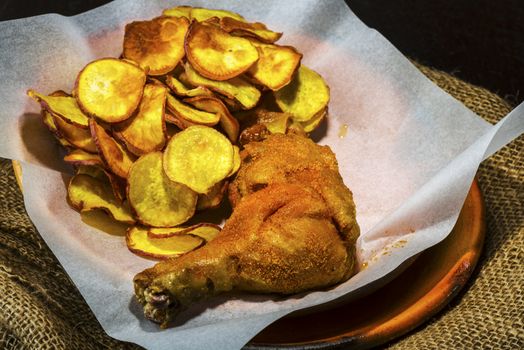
column 409, row 156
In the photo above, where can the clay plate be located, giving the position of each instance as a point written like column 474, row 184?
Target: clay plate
column 409, row 300
column 414, row 296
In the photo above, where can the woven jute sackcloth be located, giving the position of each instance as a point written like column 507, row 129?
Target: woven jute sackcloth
column 40, row 308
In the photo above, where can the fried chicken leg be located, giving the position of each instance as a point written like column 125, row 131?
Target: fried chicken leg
column 285, row 238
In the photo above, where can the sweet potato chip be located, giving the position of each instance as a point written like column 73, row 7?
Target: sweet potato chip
column 156, row 200
column 276, row 66
column 117, row 184
column 192, row 115
column 217, row 55
column 178, row 122
column 275, row 122
column 256, row 30
column 81, row 157
column 160, row 248
column 237, row 88
column 110, row 89
column 62, row 106
column 198, row 157
column 314, row 122
column 115, row 157
column 213, row 198
column 88, row 193
column 202, row 14
column 178, row 11
column 156, row 45
column 206, row 231
column 92, row 170
column 182, row 90
column 77, row 136
column 165, row 232
column 305, row 96
column 237, row 161
column 214, row 105
column 145, row 131
column 48, row 121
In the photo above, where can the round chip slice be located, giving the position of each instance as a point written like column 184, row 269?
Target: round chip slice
column 156, row 200
column 62, row 105
column 276, row 65
column 156, row 45
column 305, row 96
column 214, row 105
column 139, row 243
column 145, row 131
column 110, row 89
column 198, row 157
column 115, row 157
column 87, row 193
column 216, row 54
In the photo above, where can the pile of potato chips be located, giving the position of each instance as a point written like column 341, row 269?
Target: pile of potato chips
column 155, row 135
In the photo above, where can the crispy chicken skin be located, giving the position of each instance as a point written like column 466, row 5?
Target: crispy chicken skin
column 283, row 237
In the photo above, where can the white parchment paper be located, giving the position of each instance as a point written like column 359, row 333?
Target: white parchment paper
column 410, row 155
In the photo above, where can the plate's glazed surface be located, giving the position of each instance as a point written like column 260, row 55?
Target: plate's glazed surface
column 414, row 296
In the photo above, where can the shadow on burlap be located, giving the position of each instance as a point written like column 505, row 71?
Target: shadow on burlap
column 40, row 308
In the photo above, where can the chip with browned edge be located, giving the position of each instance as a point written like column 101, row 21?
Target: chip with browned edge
column 190, row 114
column 256, row 30
column 145, row 131
column 214, row 105
column 305, row 96
column 156, row 45
column 110, row 89
column 198, row 157
column 237, row 88
column 276, row 65
column 217, row 55
column 203, row 230
column 63, row 106
column 88, row 193
column 156, row 200
column 160, row 248
column 115, row 157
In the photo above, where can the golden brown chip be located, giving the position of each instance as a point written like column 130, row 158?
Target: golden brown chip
column 256, row 30
column 81, row 157
column 178, row 122
column 203, row 14
column 98, row 172
column 237, row 88
column 214, row 105
column 204, row 230
column 156, row 45
column 160, row 248
column 182, row 90
column 305, row 96
column 213, row 198
column 313, row 123
column 178, row 11
column 63, row 106
column 156, row 200
column 237, row 161
column 88, row 193
column 276, row 65
column 145, row 131
column 192, row 115
column 110, row 89
column 198, row 157
column 77, row 136
column 115, row 157
column 217, row 55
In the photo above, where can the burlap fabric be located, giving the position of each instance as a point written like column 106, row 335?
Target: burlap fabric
column 41, row 309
